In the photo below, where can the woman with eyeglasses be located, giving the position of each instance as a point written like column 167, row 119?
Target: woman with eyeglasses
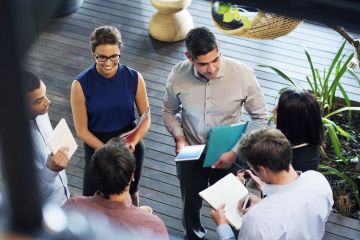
column 102, row 102
column 298, row 117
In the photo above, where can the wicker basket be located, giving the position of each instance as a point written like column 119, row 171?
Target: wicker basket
column 265, row 26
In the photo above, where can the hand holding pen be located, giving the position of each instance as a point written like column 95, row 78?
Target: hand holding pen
column 247, row 202
column 244, row 204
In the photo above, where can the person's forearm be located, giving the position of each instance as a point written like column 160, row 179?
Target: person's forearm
column 90, row 139
column 143, row 129
column 172, row 124
column 256, row 103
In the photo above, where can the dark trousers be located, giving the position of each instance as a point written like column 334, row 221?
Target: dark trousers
column 193, row 179
column 89, row 185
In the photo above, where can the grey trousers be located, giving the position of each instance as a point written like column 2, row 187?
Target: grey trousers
column 193, row 179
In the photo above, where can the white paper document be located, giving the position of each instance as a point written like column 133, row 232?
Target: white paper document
column 228, row 190
column 62, row 136
column 188, row 153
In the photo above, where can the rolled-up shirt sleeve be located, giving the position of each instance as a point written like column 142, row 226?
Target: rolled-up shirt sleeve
column 171, row 109
column 255, row 103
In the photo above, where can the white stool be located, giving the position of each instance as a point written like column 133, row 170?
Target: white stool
column 172, row 21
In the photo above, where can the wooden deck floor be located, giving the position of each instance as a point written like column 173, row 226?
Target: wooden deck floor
column 62, row 51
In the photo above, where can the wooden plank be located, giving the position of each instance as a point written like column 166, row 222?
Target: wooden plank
column 348, row 89
column 246, row 48
column 342, row 231
column 330, row 236
column 344, row 221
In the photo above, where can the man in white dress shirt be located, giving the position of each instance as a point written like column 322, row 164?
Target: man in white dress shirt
column 51, row 167
column 296, row 205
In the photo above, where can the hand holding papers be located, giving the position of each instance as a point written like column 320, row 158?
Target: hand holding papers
column 129, row 136
column 228, row 190
column 190, row 153
column 62, row 137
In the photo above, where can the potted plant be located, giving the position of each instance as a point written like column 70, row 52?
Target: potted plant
column 338, row 164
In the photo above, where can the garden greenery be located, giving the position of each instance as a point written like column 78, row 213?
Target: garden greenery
column 325, row 85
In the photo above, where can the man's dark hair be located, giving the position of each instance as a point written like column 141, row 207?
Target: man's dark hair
column 299, row 117
column 31, row 81
column 104, row 35
column 268, row 148
column 112, row 167
column 200, row 41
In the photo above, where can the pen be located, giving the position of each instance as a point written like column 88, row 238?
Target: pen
column 241, row 168
column 245, row 203
column 243, row 101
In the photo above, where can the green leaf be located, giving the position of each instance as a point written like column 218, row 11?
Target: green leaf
column 341, row 175
column 327, row 170
column 234, row 9
column 311, row 64
column 346, row 98
column 228, row 17
column 223, row 8
column 333, row 88
column 341, row 110
column 311, row 86
column 337, row 128
column 335, row 60
column 354, row 75
column 245, row 20
column 336, row 81
column 237, row 17
column 341, row 72
column 284, row 89
column 325, row 88
column 318, row 81
column 331, row 131
column 323, row 153
column 281, row 74
column 343, row 132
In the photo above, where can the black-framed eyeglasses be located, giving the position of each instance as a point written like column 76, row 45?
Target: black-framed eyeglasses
column 112, row 58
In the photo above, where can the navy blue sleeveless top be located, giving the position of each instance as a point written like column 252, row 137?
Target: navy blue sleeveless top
column 109, row 101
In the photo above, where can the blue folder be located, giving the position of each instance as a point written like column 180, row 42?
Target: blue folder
column 222, row 139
